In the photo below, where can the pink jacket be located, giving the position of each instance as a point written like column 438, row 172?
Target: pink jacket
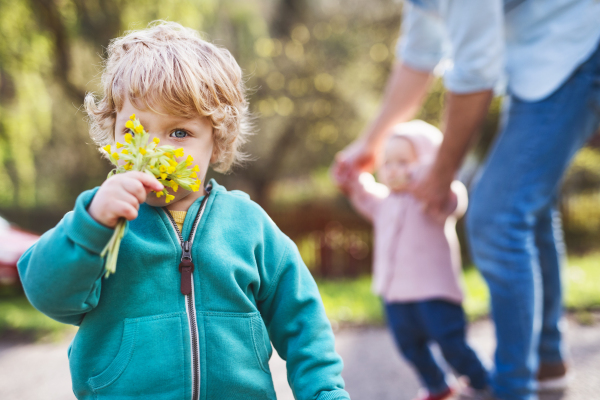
column 415, row 257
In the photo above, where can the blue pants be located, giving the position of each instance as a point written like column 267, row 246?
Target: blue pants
column 515, row 231
column 416, row 324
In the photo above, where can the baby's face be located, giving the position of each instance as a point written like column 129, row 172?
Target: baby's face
column 399, row 157
column 195, row 135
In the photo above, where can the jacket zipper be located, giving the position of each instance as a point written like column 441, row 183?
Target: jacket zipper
column 186, row 268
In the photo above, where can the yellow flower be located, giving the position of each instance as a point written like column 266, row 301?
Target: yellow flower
column 142, row 151
column 169, row 198
column 171, row 169
column 128, row 137
column 139, row 129
column 156, row 140
column 132, row 117
column 128, row 166
column 174, row 185
column 125, row 151
column 115, row 156
column 193, row 175
column 195, row 188
column 158, row 194
column 173, row 163
column 129, row 124
column 119, row 145
column 189, row 160
column 107, row 148
column 196, row 168
column 162, row 168
column 163, row 176
column 179, row 152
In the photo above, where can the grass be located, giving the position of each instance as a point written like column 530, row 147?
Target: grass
column 350, row 301
column 20, row 321
column 347, row 301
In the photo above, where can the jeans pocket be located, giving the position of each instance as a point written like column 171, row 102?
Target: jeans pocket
column 150, row 362
column 237, row 357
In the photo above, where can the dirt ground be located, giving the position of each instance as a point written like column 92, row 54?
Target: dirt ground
column 373, row 369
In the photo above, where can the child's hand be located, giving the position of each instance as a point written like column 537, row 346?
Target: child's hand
column 339, row 178
column 121, row 196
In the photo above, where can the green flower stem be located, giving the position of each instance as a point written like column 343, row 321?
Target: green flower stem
column 112, row 248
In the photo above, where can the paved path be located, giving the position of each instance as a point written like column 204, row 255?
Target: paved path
column 373, row 369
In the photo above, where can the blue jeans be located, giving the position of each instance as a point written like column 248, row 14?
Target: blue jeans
column 515, row 231
column 416, row 324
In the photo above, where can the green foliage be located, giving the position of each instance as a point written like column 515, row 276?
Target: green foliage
column 25, row 109
column 584, row 173
column 580, row 199
column 314, row 71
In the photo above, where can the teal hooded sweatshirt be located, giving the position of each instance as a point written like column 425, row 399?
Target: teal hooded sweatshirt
column 140, row 337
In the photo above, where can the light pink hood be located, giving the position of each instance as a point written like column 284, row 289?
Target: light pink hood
column 425, row 138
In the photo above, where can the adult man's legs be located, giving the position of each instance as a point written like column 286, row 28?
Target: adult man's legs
column 550, row 244
column 517, row 188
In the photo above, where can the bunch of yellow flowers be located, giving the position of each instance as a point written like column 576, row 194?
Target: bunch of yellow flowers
column 139, row 153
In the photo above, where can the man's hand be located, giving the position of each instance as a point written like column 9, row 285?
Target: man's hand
column 120, row 196
column 434, row 192
column 355, row 158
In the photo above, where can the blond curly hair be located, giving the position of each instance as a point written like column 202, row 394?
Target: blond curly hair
column 171, row 67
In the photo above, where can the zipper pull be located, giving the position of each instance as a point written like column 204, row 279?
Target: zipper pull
column 186, row 251
column 186, row 267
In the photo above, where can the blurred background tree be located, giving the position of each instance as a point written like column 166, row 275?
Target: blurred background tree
column 315, row 72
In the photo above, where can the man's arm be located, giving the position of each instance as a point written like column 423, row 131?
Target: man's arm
column 475, row 31
column 463, row 116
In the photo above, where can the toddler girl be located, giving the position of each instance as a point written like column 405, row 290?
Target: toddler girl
column 416, row 266
column 204, row 285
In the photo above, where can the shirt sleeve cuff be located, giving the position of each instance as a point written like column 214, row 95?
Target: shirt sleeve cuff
column 84, row 230
column 420, row 62
column 461, row 83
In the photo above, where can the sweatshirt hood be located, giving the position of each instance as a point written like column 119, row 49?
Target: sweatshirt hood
column 425, row 138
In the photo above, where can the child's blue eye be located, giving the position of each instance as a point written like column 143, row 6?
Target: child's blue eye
column 179, row 133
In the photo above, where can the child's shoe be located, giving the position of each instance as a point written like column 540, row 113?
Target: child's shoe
column 445, row 395
column 552, row 376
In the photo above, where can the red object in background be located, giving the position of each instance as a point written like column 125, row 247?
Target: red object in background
column 13, row 243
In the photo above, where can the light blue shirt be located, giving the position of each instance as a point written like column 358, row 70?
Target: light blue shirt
column 533, row 45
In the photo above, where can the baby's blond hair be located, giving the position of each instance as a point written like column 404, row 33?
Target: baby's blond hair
column 171, row 67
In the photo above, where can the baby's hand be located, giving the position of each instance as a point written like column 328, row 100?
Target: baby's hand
column 339, row 177
column 121, row 196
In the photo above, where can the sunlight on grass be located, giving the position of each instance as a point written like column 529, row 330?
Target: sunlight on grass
column 19, row 317
column 582, row 280
column 351, row 300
